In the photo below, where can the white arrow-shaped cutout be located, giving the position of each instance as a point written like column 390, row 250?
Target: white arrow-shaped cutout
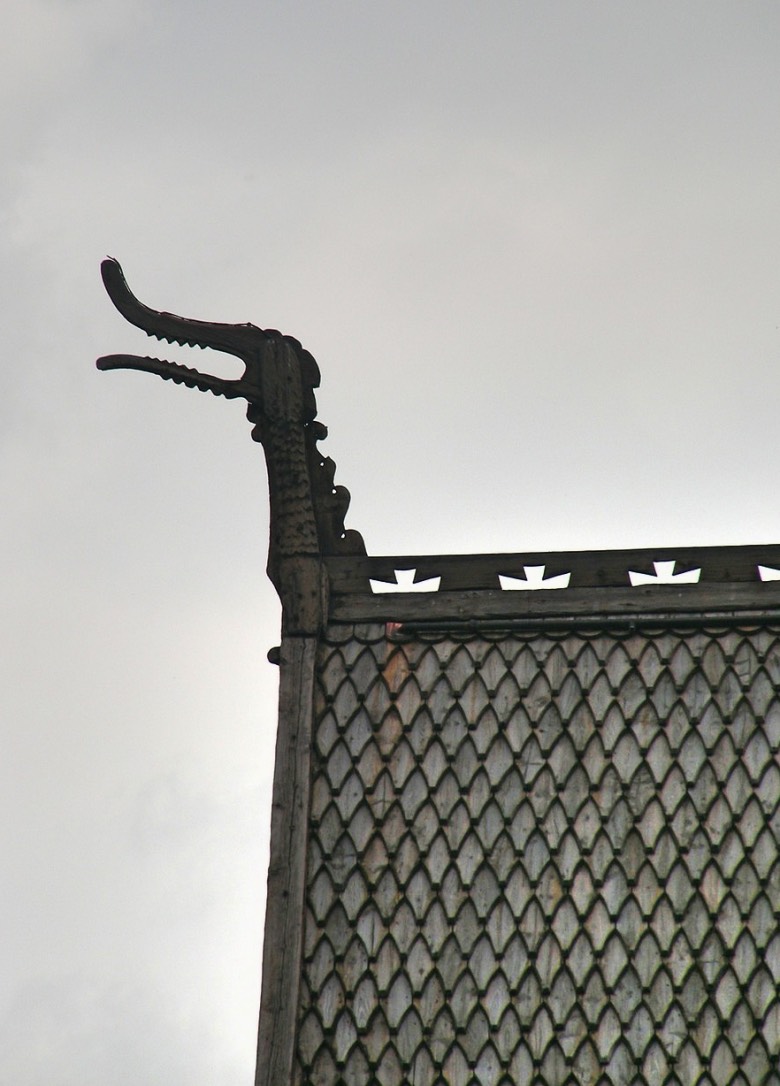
column 664, row 574
column 405, row 582
column 534, row 579
column 768, row 573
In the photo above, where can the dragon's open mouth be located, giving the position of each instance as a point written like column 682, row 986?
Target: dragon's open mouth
column 244, row 341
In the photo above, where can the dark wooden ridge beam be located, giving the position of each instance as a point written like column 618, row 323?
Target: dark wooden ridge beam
column 652, row 604
column 588, row 569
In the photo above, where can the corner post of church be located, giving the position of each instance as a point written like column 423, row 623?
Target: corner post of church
column 303, row 589
column 283, row 944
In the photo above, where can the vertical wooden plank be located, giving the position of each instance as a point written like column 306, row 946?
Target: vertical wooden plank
column 287, row 866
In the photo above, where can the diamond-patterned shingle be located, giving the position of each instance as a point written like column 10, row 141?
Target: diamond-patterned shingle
column 544, row 859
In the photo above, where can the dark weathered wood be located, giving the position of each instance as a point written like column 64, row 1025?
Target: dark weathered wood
column 746, row 602
column 303, row 588
column 287, row 866
column 602, row 569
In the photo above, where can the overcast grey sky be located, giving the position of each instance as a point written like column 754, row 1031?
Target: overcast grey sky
column 535, row 249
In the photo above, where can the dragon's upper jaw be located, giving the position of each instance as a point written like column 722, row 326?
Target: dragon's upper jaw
column 245, row 341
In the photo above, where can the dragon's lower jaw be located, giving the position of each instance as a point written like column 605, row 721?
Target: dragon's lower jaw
column 173, row 371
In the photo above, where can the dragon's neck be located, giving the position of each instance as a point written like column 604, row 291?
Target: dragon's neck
column 307, row 510
column 293, row 531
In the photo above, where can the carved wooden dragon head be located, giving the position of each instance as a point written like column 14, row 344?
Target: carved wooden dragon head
column 263, row 352
column 307, row 510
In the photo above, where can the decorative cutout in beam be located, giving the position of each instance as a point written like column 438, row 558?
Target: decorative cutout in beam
column 533, row 581
column 405, row 582
column 664, row 574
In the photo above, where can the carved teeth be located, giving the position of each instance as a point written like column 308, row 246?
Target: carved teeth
column 162, row 338
column 186, row 375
